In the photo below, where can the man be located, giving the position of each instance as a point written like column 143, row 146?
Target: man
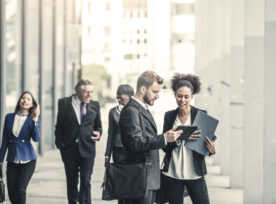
column 78, row 128
column 139, row 132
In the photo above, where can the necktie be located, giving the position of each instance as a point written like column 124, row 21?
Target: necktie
column 82, row 111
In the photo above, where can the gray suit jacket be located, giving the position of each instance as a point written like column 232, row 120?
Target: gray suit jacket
column 140, row 139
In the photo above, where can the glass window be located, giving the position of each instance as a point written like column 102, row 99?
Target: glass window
column 107, row 31
column 12, row 49
column 60, row 85
column 47, row 126
column 107, row 6
column 31, row 50
column 184, row 9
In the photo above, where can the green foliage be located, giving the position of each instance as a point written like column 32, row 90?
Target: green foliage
column 100, row 79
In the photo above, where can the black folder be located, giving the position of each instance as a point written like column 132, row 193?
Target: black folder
column 207, row 125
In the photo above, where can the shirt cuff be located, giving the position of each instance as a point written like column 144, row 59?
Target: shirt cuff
column 35, row 120
column 165, row 139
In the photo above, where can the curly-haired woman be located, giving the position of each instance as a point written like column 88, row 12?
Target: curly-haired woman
column 182, row 166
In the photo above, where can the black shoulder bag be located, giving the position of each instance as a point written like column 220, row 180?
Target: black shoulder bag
column 126, row 180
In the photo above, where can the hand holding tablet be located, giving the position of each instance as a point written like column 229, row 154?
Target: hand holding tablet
column 187, row 132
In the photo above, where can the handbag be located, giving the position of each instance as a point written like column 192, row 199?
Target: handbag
column 125, row 181
column 2, row 187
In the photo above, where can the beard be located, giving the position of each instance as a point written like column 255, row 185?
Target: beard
column 147, row 100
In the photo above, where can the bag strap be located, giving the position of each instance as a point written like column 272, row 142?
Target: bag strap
column 1, row 173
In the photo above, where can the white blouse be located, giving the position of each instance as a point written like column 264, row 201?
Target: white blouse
column 182, row 163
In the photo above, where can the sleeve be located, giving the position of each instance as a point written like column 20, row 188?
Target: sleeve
column 133, row 137
column 59, row 125
column 98, row 122
column 4, row 144
column 170, row 145
column 109, row 144
column 36, row 130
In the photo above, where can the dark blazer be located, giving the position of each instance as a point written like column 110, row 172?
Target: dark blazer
column 68, row 129
column 19, row 146
column 114, row 133
column 140, row 139
column 199, row 162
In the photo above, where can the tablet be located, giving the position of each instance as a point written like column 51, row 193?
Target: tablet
column 187, row 131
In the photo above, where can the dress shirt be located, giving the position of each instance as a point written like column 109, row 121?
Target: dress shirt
column 76, row 103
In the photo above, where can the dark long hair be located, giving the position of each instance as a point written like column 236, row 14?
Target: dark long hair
column 31, row 110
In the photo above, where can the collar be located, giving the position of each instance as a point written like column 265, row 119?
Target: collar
column 76, row 100
column 145, row 106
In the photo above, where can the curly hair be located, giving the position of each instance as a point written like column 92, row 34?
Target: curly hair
column 188, row 80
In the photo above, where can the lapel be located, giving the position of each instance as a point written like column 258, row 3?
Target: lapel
column 173, row 118
column 89, row 110
column 193, row 113
column 174, row 115
column 68, row 103
column 145, row 113
column 23, row 126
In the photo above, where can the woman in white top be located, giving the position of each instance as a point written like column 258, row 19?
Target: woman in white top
column 19, row 128
column 182, row 166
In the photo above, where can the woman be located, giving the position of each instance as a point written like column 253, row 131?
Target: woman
column 114, row 143
column 19, row 128
column 182, row 166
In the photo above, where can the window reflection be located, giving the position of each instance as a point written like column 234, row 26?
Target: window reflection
column 12, row 49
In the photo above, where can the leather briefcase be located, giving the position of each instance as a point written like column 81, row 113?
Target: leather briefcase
column 125, row 181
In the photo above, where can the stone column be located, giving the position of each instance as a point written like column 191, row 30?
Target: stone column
column 236, row 93
column 260, row 100
column 224, row 86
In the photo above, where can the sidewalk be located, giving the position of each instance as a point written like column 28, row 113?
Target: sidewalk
column 48, row 184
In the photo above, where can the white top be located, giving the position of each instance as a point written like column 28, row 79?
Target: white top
column 182, row 163
column 76, row 103
column 18, row 123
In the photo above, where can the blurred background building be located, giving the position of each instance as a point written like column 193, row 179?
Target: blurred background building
column 40, row 52
column 127, row 37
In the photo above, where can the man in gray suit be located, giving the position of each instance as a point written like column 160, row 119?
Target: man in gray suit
column 139, row 132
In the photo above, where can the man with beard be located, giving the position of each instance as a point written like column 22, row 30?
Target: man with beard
column 139, row 132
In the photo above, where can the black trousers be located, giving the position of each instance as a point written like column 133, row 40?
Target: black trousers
column 18, row 178
column 76, row 165
column 149, row 199
column 197, row 190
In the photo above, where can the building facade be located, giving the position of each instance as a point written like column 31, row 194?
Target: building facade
column 40, row 52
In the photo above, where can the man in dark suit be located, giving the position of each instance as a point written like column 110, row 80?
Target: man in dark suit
column 139, row 132
column 78, row 128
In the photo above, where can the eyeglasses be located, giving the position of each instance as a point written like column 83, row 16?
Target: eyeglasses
column 87, row 92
